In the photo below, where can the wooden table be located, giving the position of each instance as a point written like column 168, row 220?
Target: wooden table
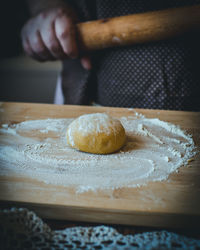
column 179, row 199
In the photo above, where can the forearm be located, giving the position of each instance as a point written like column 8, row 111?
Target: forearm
column 37, row 6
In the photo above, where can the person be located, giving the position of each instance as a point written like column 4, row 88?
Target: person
column 157, row 75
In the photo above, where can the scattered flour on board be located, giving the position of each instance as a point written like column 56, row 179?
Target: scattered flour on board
column 38, row 149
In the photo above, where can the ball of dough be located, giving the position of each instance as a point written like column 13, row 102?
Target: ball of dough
column 96, row 133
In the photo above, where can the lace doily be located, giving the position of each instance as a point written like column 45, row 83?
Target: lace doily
column 22, row 229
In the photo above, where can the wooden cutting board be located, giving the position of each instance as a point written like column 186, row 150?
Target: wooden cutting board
column 172, row 203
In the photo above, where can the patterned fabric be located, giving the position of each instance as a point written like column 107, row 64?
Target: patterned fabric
column 23, row 229
column 162, row 75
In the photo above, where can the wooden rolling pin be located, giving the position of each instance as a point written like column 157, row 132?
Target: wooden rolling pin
column 138, row 28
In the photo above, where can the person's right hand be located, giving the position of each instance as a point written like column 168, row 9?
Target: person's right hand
column 51, row 35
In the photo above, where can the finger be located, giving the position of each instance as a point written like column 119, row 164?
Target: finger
column 25, row 42
column 25, row 35
column 27, row 47
column 65, row 33
column 29, row 51
column 51, row 42
column 39, row 48
column 86, row 62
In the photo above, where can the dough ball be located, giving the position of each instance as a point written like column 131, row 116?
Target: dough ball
column 96, row 133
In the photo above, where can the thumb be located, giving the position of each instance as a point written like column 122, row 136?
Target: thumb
column 86, row 62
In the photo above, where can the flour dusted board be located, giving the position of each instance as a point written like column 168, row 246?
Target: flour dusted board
column 172, row 203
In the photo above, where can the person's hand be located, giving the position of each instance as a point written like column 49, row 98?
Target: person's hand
column 51, row 35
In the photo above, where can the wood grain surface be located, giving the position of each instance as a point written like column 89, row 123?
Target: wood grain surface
column 171, row 203
column 138, row 28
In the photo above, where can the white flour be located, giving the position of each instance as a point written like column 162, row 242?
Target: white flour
column 38, row 149
column 101, row 123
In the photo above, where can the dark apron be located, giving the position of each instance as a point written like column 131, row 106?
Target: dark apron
column 158, row 75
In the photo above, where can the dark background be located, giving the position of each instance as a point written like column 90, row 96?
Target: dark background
column 13, row 14
column 22, row 79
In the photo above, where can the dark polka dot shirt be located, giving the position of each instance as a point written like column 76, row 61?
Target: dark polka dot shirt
column 158, row 75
